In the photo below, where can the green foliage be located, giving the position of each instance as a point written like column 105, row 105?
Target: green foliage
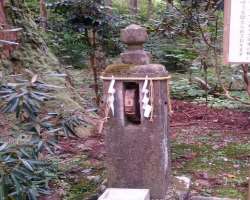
column 23, row 175
column 183, row 89
column 82, row 190
column 24, row 97
column 201, row 157
column 71, row 25
column 174, row 55
column 194, row 31
column 33, row 6
column 186, row 88
column 69, row 46
column 63, row 124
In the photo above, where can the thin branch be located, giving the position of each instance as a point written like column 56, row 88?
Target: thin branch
column 245, row 77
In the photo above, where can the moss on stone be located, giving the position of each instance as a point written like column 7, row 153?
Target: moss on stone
column 118, row 69
column 34, row 54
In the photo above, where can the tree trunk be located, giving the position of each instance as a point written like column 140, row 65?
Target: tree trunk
column 108, row 4
column 248, row 198
column 150, row 9
column 43, row 15
column 133, row 6
column 2, row 14
column 168, row 2
column 245, row 77
column 93, row 65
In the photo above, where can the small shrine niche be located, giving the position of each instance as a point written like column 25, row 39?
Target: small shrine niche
column 132, row 103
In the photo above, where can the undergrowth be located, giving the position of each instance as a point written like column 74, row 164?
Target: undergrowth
column 25, row 171
column 183, row 87
column 215, row 172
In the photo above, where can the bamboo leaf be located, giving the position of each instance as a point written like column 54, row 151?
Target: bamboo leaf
column 27, row 164
column 32, row 194
column 3, row 146
column 2, row 193
column 16, row 183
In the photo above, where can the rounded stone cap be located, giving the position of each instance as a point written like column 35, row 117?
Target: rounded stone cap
column 126, row 70
column 134, row 35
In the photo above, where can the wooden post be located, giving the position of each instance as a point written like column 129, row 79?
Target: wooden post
column 43, row 15
column 133, row 6
column 248, row 195
column 94, row 67
column 227, row 7
column 150, row 9
column 108, row 4
column 245, row 77
column 248, row 198
column 2, row 14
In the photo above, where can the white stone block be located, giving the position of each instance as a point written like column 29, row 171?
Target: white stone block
column 125, row 194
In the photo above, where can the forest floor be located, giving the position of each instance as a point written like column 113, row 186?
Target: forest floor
column 211, row 146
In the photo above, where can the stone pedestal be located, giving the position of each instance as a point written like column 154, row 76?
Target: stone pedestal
column 125, row 194
column 138, row 147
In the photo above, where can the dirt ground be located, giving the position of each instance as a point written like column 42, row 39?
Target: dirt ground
column 211, row 146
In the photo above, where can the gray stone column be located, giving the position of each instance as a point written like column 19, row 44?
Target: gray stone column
column 138, row 153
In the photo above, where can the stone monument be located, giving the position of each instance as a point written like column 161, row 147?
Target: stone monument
column 136, row 115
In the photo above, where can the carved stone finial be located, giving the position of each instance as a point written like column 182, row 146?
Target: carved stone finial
column 135, row 36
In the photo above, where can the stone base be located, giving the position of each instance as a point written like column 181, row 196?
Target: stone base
column 125, row 194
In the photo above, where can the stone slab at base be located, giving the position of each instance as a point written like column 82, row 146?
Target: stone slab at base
column 125, row 194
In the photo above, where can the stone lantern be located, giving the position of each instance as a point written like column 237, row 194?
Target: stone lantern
column 136, row 115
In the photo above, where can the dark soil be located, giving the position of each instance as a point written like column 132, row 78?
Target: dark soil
column 225, row 120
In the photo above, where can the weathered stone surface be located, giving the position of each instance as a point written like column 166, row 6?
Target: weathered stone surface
column 151, row 70
column 125, row 194
column 137, row 57
column 138, row 153
column 182, row 187
column 129, row 70
column 134, row 35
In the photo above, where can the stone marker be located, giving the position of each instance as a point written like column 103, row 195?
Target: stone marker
column 182, row 186
column 136, row 133
column 125, row 194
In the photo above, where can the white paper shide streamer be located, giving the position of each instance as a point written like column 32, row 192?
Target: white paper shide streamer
column 111, row 97
column 145, row 101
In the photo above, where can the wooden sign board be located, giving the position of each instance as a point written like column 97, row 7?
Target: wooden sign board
column 237, row 31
